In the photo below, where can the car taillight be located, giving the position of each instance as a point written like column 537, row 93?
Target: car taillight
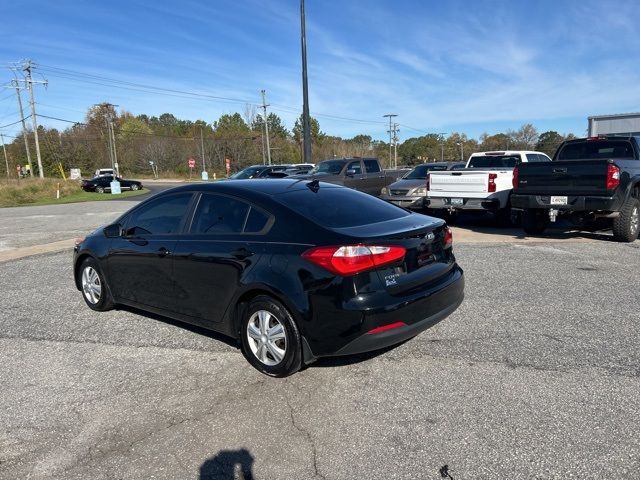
column 516, row 175
column 613, row 177
column 492, row 182
column 352, row 259
column 428, row 181
column 448, row 237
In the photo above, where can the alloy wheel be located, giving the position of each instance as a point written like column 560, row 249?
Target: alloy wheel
column 91, row 286
column 267, row 337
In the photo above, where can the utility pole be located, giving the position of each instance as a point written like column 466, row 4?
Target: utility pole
column 266, row 125
column 390, row 115
column 112, row 143
column 27, row 68
column 461, row 150
column 306, row 121
column 395, row 145
column 6, row 159
column 442, row 134
column 24, row 126
column 107, row 124
column 204, row 167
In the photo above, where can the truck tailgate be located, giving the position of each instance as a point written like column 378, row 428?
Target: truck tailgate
column 572, row 177
column 463, row 182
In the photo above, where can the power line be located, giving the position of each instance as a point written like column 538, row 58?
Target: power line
column 14, row 123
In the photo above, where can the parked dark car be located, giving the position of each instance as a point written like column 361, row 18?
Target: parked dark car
column 588, row 179
column 260, row 171
column 103, row 184
column 293, row 270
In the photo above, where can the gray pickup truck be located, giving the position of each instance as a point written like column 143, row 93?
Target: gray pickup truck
column 363, row 174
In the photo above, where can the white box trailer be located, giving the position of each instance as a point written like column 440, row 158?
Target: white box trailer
column 616, row 124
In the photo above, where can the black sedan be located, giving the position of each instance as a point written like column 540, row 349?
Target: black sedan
column 103, row 184
column 294, row 270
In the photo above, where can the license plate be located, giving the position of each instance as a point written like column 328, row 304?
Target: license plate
column 457, row 201
column 559, row 200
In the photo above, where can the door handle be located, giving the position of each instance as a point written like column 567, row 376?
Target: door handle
column 241, row 253
column 163, row 252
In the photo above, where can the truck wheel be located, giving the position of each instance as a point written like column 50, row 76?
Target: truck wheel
column 505, row 217
column 534, row 222
column 626, row 225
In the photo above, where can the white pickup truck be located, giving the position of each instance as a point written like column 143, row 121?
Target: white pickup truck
column 484, row 185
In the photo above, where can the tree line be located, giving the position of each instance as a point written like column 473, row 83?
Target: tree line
column 169, row 142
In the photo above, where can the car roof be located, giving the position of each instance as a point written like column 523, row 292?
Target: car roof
column 272, row 186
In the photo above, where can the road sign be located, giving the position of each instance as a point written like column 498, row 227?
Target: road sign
column 192, row 163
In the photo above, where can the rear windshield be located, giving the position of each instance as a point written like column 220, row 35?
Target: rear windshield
column 495, row 161
column 593, row 149
column 420, row 172
column 332, row 166
column 340, row 207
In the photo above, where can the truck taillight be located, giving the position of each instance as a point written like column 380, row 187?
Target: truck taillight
column 428, row 181
column 613, row 177
column 492, row 182
column 352, row 259
column 515, row 179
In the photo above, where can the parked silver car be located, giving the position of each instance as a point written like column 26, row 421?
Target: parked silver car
column 411, row 190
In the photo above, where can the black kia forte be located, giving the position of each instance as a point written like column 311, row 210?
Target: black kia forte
column 293, row 269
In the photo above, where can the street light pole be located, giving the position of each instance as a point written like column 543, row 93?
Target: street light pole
column 306, row 121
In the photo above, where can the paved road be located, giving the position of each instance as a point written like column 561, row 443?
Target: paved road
column 26, row 226
column 536, row 375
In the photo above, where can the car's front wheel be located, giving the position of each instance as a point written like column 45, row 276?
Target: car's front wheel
column 135, row 187
column 270, row 338
column 94, row 287
column 99, row 190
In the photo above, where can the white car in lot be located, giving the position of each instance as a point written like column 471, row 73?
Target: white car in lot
column 484, row 185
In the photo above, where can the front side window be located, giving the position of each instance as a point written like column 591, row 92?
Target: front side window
column 355, row 166
column 161, row 216
column 220, row 215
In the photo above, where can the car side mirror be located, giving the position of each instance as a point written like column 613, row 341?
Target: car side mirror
column 350, row 173
column 113, row 231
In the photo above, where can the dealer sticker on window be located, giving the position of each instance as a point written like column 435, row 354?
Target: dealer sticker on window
column 558, row 201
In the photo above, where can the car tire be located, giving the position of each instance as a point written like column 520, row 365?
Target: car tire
column 93, row 286
column 279, row 353
column 134, row 187
column 534, row 222
column 627, row 224
column 99, row 190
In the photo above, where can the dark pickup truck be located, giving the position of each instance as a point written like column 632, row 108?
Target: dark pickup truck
column 363, row 174
column 589, row 178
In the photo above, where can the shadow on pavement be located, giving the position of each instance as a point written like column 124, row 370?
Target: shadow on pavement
column 228, row 465
column 562, row 230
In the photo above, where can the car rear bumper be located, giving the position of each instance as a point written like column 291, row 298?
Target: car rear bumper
column 444, row 203
column 418, row 314
column 575, row 203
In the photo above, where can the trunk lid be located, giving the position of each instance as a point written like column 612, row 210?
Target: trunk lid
column 426, row 259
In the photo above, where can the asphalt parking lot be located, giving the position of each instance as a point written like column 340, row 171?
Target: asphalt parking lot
column 537, row 375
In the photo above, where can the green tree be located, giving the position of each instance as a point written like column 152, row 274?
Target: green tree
column 548, row 142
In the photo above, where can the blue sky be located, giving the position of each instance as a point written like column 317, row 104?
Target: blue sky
column 475, row 66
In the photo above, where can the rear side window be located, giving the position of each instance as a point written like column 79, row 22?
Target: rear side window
column 371, row 166
column 533, row 157
column 219, row 214
column 340, row 207
column 494, row 161
column 160, row 216
column 594, row 149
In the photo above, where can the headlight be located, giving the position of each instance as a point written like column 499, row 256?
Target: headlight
column 420, row 191
column 384, row 191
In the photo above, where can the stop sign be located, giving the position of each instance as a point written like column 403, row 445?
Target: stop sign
column 192, row 163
